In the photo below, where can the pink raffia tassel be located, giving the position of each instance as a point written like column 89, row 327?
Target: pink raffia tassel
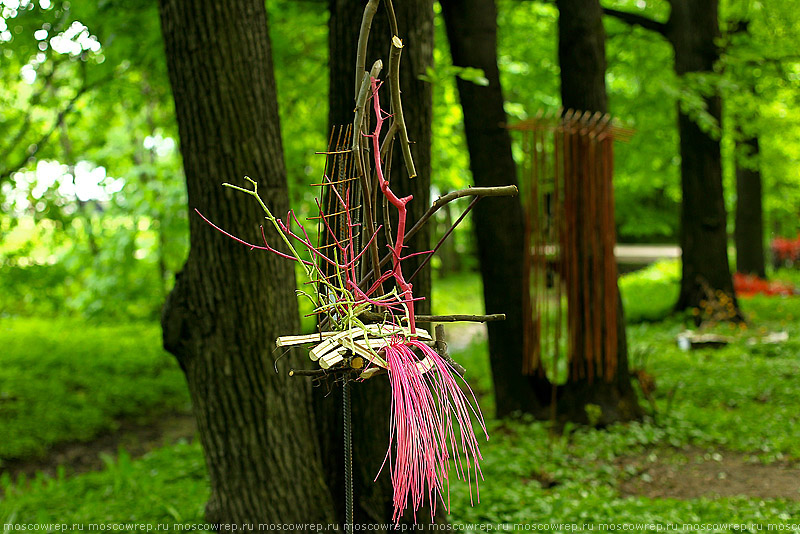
column 426, row 409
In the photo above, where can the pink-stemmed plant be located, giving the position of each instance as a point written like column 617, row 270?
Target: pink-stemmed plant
column 425, row 403
column 431, row 415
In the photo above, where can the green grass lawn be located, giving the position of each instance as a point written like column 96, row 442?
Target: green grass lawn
column 64, row 380
column 650, row 294
column 739, row 399
column 167, row 485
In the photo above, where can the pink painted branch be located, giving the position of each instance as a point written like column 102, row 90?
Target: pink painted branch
column 426, row 408
column 336, row 241
column 305, row 241
column 499, row 191
column 406, row 289
column 252, row 246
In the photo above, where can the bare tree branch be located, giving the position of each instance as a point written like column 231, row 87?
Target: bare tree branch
column 461, row 318
column 43, row 140
column 635, row 19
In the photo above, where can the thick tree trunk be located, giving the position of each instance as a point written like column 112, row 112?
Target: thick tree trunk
column 749, row 225
column 229, row 303
column 582, row 56
column 692, row 29
column 371, row 400
column 472, row 32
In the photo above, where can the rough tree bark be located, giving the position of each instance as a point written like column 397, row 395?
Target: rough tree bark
column 371, row 400
column 692, row 29
column 499, row 227
column 749, row 224
column 582, row 55
column 229, row 304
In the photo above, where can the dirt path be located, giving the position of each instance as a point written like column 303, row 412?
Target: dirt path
column 693, row 473
column 135, row 438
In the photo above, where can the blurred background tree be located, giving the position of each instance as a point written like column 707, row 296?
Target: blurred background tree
column 92, row 194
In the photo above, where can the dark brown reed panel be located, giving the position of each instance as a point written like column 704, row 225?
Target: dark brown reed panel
column 570, row 272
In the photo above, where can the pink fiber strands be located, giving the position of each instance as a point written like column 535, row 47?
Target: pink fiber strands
column 426, row 409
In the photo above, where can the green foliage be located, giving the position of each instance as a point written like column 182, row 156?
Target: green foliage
column 642, row 91
column 750, row 407
column 650, row 294
column 98, row 205
column 522, row 458
column 300, row 51
column 113, row 253
column 63, row 380
column 760, row 88
column 788, row 275
column 469, row 74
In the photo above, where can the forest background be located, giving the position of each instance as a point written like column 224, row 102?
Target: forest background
column 95, row 226
column 94, row 210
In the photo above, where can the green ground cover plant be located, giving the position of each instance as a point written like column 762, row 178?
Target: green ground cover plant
column 533, row 477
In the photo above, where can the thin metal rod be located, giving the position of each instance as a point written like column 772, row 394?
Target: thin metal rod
column 348, row 458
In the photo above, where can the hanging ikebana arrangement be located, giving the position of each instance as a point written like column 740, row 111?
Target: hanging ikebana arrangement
column 364, row 302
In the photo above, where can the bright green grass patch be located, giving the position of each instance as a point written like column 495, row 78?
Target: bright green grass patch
column 463, row 293
column 742, row 397
column 168, row 485
column 650, row 294
column 787, row 275
column 64, row 380
column 459, row 293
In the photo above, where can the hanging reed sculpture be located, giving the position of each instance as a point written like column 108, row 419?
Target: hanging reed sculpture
column 570, row 273
column 364, row 301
